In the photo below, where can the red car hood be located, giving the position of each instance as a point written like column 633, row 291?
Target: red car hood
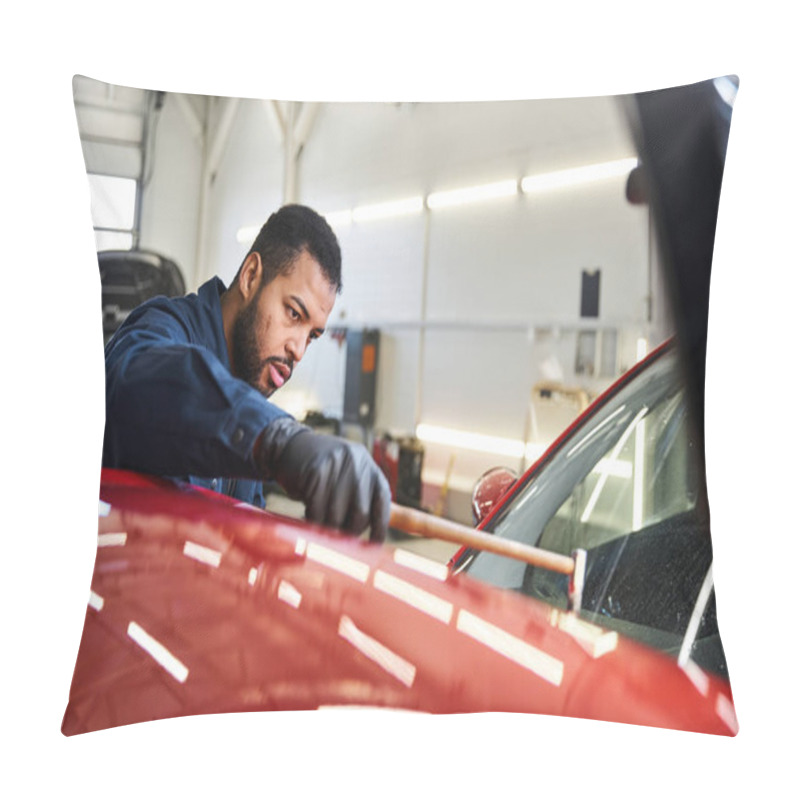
column 202, row 605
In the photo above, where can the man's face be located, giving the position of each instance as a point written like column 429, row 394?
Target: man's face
column 273, row 330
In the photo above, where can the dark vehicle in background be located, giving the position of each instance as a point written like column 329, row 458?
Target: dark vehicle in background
column 129, row 277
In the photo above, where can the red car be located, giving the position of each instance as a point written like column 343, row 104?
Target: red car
column 201, row 605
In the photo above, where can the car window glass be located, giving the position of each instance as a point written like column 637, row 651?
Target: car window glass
column 643, row 479
column 628, row 491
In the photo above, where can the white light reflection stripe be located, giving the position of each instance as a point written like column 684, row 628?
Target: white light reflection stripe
column 595, row 431
column 639, row 438
column 95, row 601
column 593, row 639
column 434, row 569
column 417, row 598
column 158, row 652
column 300, row 547
column 341, row 563
column 111, row 539
column 615, row 469
column 203, row 554
column 103, row 509
column 601, row 482
column 248, row 507
column 395, row 665
column 252, row 576
column 696, row 676
column 726, row 713
column 522, row 653
column 697, row 616
column 289, row 594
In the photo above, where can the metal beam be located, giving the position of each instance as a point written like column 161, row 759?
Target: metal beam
column 190, row 116
column 221, row 135
column 297, row 122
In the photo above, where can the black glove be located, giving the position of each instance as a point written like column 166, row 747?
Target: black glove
column 338, row 481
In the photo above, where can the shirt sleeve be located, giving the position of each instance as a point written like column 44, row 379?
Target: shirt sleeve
column 173, row 408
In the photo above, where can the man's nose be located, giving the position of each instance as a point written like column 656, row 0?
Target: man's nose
column 296, row 347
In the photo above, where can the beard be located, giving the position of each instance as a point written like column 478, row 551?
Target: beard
column 247, row 362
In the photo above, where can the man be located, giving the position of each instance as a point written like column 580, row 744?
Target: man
column 187, row 381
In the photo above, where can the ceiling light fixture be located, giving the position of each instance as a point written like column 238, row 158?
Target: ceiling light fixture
column 338, row 218
column 472, row 194
column 247, row 234
column 570, row 177
column 394, row 208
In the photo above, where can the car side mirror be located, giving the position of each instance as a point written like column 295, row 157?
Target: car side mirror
column 489, row 488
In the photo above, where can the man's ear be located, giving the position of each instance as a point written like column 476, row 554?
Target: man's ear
column 250, row 276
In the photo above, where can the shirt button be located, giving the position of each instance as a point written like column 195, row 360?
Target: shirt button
column 238, row 435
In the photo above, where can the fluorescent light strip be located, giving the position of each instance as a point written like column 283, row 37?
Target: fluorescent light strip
column 570, row 177
column 433, row 434
column 103, row 509
column 339, row 218
column 95, row 601
column 394, row 208
column 111, row 539
column 517, row 650
column 418, row 598
column 421, row 564
column 472, row 194
column 404, row 671
column 289, row 594
column 158, row 652
column 513, row 448
column 341, row 563
column 247, row 234
column 252, row 576
column 203, row 554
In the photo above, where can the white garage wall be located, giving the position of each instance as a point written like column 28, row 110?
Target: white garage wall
column 471, row 301
column 491, row 290
column 246, row 187
column 171, row 196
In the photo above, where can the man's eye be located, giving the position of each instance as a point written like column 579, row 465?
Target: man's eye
column 295, row 315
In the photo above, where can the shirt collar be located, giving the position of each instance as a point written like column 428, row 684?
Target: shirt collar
column 210, row 293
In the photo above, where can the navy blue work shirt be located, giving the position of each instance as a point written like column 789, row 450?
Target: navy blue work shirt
column 173, row 408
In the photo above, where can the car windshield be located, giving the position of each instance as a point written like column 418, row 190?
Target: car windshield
column 626, row 487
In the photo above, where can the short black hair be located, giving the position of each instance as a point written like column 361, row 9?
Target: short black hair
column 290, row 230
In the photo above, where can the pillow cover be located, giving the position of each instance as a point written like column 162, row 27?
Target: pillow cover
column 202, row 603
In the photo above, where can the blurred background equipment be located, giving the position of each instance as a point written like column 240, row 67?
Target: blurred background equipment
column 401, row 460
column 361, row 376
column 129, row 277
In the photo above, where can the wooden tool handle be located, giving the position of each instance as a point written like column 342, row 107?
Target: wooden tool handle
column 419, row 523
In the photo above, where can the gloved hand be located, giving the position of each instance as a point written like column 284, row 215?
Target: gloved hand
column 337, row 480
